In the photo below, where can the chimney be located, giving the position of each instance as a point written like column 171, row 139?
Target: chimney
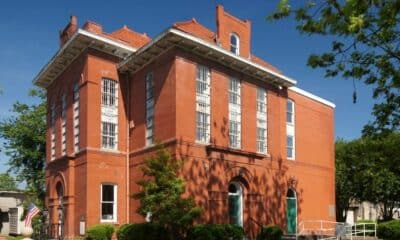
column 69, row 30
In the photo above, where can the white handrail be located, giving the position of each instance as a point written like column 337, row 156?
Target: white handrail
column 329, row 228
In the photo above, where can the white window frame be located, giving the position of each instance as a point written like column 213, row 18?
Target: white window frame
column 203, row 99
column 290, row 128
column 76, row 118
column 290, row 147
column 235, row 115
column 234, row 48
column 109, row 135
column 149, row 85
column 64, row 124
column 109, row 114
column 290, row 111
column 53, row 132
column 262, row 145
column 109, row 92
column 115, row 202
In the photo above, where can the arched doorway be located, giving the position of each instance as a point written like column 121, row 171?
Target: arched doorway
column 291, row 211
column 235, row 194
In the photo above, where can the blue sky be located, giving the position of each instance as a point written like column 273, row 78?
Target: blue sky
column 29, row 38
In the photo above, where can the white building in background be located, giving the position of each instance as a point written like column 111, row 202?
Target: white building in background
column 366, row 211
column 11, row 210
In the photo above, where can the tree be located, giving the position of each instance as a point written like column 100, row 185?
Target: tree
column 367, row 170
column 366, row 47
column 24, row 135
column 161, row 194
column 7, row 182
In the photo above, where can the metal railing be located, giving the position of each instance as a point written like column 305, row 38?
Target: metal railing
column 329, row 230
column 361, row 229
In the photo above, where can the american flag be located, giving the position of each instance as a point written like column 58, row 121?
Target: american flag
column 32, row 212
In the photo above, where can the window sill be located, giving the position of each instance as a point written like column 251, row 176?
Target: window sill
column 108, row 221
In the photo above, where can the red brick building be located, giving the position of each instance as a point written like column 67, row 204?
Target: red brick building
column 258, row 150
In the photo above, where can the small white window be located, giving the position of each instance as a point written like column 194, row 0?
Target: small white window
column 261, row 120
column 76, row 118
column 235, row 43
column 203, row 104
column 290, row 146
column 290, row 111
column 53, row 131
column 149, row 109
column 108, row 203
column 109, row 96
column 64, row 124
column 234, row 113
column 109, row 135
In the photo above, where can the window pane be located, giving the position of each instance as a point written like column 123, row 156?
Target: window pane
column 107, row 211
column 108, row 193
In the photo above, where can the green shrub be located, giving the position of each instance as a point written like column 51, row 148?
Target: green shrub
column 100, row 232
column 270, row 232
column 122, row 230
column 142, row 231
column 216, row 232
column 389, row 230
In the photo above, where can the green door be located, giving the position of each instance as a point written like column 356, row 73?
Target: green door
column 234, row 209
column 291, row 215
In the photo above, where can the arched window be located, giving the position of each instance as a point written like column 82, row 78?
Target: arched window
column 235, row 192
column 291, row 211
column 235, row 43
column 60, row 192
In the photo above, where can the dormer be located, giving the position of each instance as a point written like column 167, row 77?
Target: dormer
column 233, row 34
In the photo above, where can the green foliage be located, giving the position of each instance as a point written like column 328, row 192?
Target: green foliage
column 367, row 169
column 142, row 231
column 24, row 135
column 161, row 194
column 7, row 182
column 389, row 230
column 216, row 232
column 270, row 232
column 365, row 48
column 100, row 232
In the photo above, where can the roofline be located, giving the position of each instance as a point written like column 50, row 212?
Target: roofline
column 69, row 42
column 312, row 96
column 289, row 81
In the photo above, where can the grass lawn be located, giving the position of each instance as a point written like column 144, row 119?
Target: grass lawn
column 15, row 238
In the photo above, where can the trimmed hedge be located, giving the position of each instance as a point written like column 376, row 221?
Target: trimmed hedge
column 216, row 232
column 142, row 231
column 389, row 230
column 270, row 232
column 100, row 232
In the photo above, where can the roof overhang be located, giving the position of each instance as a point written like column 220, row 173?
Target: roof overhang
column 176, row 38
column 79, row 41
column 312, row 96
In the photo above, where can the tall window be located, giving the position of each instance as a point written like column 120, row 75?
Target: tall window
column 261, row 120
column 108, row 203
column 289, row 111
column 290, row 130
column 234, row 40
column 109, row 93
column 53, row 131
column 108, row 134
column 203, row 104
column 234, row 113
column 149, row 109
column 109, row 114
column 64, row 124
column 76, row 117
column 235, row 202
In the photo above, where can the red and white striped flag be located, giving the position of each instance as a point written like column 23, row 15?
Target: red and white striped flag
column 32, row 212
